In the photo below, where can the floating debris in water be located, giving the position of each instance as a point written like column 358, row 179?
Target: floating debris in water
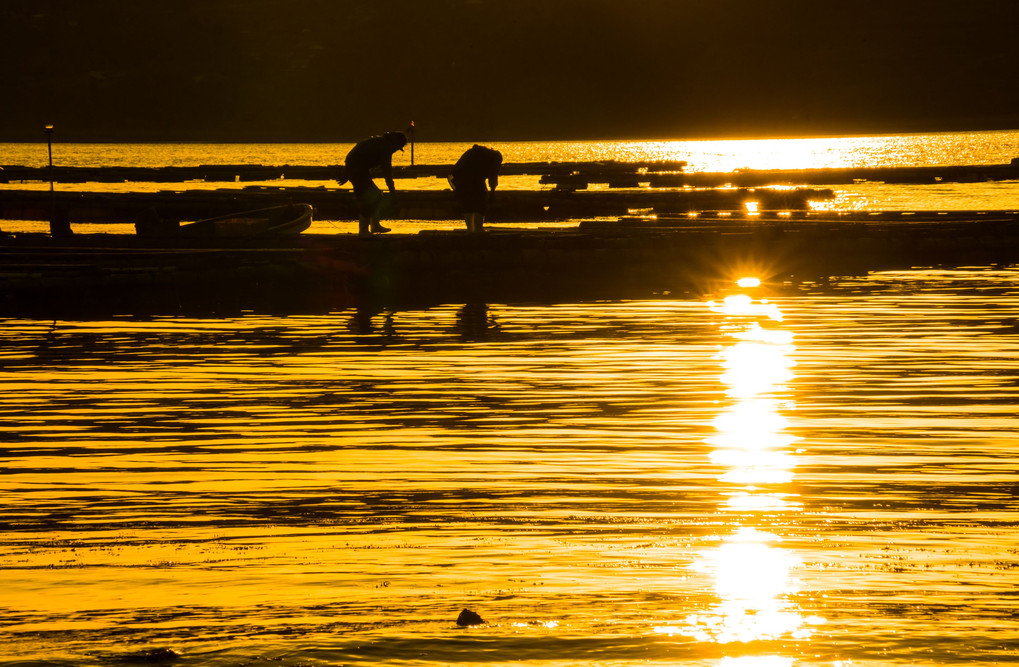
column 468, row 617
column 154, row 656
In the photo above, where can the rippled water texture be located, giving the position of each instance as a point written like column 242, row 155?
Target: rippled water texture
column 764, row 476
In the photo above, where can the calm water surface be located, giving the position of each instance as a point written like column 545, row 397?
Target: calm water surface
column 765, row 476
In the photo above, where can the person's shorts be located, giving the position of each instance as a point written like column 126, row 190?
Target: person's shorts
column 369, row 196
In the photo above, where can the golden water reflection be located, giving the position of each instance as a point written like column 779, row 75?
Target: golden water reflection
column 752, row 574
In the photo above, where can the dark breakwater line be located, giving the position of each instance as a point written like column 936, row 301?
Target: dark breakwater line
column 50, row 277
column 248, row 172
column 337, row 204
column 563, row 174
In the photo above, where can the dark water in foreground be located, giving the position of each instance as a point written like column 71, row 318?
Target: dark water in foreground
column 770, row 476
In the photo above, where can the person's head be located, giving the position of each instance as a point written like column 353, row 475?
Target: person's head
column 396, row 139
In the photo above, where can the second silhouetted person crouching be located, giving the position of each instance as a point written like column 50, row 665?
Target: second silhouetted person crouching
column 478, row 165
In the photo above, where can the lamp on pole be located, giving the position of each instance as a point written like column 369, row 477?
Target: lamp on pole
column 49, row 148
column 60, row 225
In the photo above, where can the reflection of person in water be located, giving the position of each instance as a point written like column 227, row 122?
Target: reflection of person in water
column 361, row 325
column 478, row 165
column 60, row 223
column 367, row 155
column 474, row 322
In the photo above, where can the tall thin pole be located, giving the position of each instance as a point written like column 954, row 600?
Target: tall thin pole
column 49, row 149
column 412, row 132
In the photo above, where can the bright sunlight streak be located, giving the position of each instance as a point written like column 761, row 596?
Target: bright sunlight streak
column 753, row 575
column 743, row 305
column 753, row 579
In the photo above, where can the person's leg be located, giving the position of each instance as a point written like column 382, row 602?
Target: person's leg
column 377, row 213
column 474, row 198
column 480, row 206
column 476, row 222
column 369, row 200
column 362, row 185
column 375, row 227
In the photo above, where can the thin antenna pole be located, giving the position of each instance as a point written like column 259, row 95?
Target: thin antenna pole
column 49, row 148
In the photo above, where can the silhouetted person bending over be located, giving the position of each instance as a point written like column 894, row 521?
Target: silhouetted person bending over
column 477, row 165
column 362, row 158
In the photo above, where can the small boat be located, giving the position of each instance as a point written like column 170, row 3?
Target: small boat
column 273, row 221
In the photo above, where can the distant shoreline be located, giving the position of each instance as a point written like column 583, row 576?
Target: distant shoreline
column 663, row 138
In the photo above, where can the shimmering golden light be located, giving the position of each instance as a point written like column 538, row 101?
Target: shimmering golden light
column 737, row 439
column 756, row 332
column 747, row 420
column 748, row 569
column 753, row 501
column 754, row 368
column 753, row 575
column 749, row 282
column 752, row 578
column 757, row 661
column 751, row 431
column 743, row 305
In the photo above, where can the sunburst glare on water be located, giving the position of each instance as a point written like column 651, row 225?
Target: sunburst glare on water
column 751, row 573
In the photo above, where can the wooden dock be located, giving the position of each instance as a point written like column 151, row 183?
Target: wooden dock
column 671, row 233
column 339, row 204
column 632, row 257
column 563, row 175
column 222, row 173
column 571, row 190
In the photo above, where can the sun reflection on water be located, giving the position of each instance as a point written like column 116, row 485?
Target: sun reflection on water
column 741, row 305
column 752, row 579
column 756, row 661
column 752, row 574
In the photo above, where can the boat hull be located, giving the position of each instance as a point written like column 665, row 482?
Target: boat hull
column 272, row 221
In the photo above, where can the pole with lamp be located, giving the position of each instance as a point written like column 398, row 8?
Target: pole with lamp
column 49, row 148
column 60, row 225
column 410, row 131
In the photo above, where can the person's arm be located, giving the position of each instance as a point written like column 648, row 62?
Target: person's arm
column 493, row 170
column 387, row 173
